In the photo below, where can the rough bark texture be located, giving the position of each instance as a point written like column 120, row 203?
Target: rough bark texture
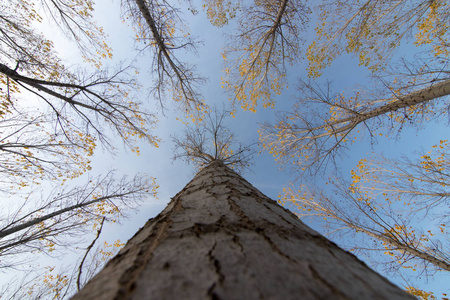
column 220, row 238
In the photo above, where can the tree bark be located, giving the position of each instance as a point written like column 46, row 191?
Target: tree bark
column 221, row 238
column 429, row 93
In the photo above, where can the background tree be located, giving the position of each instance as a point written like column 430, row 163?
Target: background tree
column 268, row 37
column 322, row 124
column 57, row 283
column 65, row 216
column 70, row 110
column 374, row 30
column 397, row 207
column 159, row 26
column 406, row 92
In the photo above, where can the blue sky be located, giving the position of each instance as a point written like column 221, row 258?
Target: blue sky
column 265, row 175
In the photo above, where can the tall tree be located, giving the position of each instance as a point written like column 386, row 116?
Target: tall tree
column 322, row 124
column 53, row 117
column 406, row 91
column 164, row 33
column 268, row 38
column 222, row 238
column 398, row 207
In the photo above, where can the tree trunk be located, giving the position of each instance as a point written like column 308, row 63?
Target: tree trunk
column 35, row 221
column 221, row 238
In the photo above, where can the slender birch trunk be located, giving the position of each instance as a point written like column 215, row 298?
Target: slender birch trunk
column 35, row 221
column 220, row 238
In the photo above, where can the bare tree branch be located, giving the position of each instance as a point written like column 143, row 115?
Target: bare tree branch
column 211, row 140
column 80, row 267
column 158, row 24
column 269, row 36
column 66, row 213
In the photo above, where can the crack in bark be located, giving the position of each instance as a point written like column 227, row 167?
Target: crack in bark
column 234, row 207
column 237, row 241
column 334, row 291
column 274, row 247
column 251, row 225
column 220, row 277
column 127, row 280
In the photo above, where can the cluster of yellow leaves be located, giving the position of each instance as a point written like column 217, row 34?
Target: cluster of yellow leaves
column 423, row 295
column 136, row 126
column 105, row 207
column 94, row 33
column 82, row 7
column 220, row 11
column 433, row 28
column 284, row 145
column 268, row 39
column 48, row 244
column 196, row 115
column 318, row 59
column 438, row 163
column 55, row 282
column 50, row 285
column 8, row 89
column 409, row 237
column 372, row 30
column 87, row 144
column 255, row 81
column 109, row 250
column 27, row 9
column 167, row 23
column 302, row 200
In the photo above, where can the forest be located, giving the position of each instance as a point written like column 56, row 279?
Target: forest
column 337, row 109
